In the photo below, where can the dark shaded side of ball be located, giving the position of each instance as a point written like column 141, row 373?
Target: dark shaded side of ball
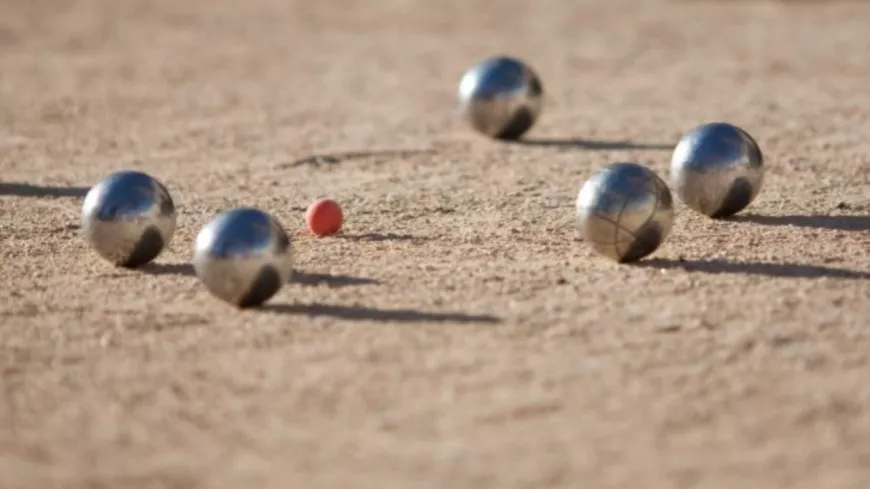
column 520, row 123
column 150, row 245
column 646, row 241
column 536, row 88
column 282, row 241
column 266, row 284
column 167, row 205
column 738, row 197
column 755, row 149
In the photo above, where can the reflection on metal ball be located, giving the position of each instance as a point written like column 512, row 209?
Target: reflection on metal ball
column 625, row 211
column 501, row 97
column 717, row 169
column 243, row 256
column 128, row 218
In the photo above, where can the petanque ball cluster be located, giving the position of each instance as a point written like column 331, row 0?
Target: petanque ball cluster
column 243, row 256
column 624, row 211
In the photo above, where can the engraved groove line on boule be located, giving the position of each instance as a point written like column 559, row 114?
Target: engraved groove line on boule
column 619, row 225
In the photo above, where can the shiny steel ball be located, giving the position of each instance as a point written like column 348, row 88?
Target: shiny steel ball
column 625, row 211
column 128, row 218
column 717, row 169
column 243, row 256
column 501, row 97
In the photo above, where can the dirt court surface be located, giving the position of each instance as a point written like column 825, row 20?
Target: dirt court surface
column 458, row 334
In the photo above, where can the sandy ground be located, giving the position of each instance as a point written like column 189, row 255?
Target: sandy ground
column 458, row 334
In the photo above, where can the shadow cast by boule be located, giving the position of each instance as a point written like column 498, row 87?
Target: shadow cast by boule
column 329, row 280
column 381, row 237
column 300, row 277
column 592, row 144
column 774, row 270
column 839, row 223
column 360, row 313
column 153, row 268
column 30, row 190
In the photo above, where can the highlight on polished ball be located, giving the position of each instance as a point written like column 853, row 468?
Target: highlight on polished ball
column 625, row 211
column 501, row 97
column 128, row 218
column 243, row 256
column 717, row 169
